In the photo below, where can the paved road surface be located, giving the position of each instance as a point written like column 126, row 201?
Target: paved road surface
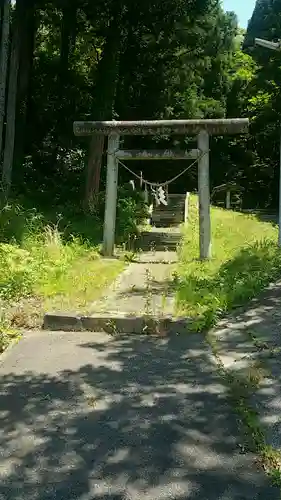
column 87, row 417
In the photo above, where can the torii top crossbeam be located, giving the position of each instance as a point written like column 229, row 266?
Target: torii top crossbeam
column 165, row 127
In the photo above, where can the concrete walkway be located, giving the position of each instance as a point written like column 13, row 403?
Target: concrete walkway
column 86, row 416
column 141, row 298
column 145, row 287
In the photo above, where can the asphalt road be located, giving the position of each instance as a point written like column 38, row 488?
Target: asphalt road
column 85, row 417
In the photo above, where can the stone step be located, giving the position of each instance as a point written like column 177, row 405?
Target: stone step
column 116, row 323
column 161, row 235
column 160, row 246
column 168, row 220
column 167, row 215
column 171, row 205
column 169, row 211
column 162, row 225
column 176, row 196
column 172, row 221
column 166, row 224
column 163, row 241
column 176, row 204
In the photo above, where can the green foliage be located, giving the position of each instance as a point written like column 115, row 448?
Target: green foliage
column 262, row 103
column 131, row 213
column 38, row 248
column 42, row 255
column 102, row 60
column 16, row 223
column 7, row 334
column 16, row 272
column 44, row 266
column 246, row 259
column 52, row 258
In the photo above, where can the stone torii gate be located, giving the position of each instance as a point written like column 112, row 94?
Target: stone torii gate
column 200, row 128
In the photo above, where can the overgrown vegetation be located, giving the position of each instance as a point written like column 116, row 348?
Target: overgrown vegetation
column 52, row 261
column 246, row 258
column 45, row 273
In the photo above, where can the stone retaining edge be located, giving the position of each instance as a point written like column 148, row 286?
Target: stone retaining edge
column 115, row 324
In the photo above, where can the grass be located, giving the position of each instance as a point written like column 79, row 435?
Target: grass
column 43, row 270
column 81, row 284
column 245, row 259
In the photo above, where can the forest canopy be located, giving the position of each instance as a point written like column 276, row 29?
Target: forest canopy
column 67, row 60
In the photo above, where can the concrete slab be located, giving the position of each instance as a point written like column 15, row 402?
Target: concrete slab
column 87, row 416
column 144, row 288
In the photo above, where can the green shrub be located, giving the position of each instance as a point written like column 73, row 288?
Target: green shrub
column 17, row 222
column 48, row 262
column 16, row 269
column 131, row 212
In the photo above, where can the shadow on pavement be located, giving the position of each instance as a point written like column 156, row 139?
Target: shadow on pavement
column 250, row 337
column 85, row 416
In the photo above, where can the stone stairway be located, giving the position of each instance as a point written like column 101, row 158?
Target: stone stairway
column 171, row 215
column 159, row 239
column 165, row 233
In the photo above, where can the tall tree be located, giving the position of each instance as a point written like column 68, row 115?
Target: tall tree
column 11, row 106
column 4, row 65
column 27, row 34
column 103, row 104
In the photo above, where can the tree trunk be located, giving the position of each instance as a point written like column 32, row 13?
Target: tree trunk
column 67, row 46
column 93, row 170
column 11, row 111
column 4, row 65
column 27, row 36
column 104, row 100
